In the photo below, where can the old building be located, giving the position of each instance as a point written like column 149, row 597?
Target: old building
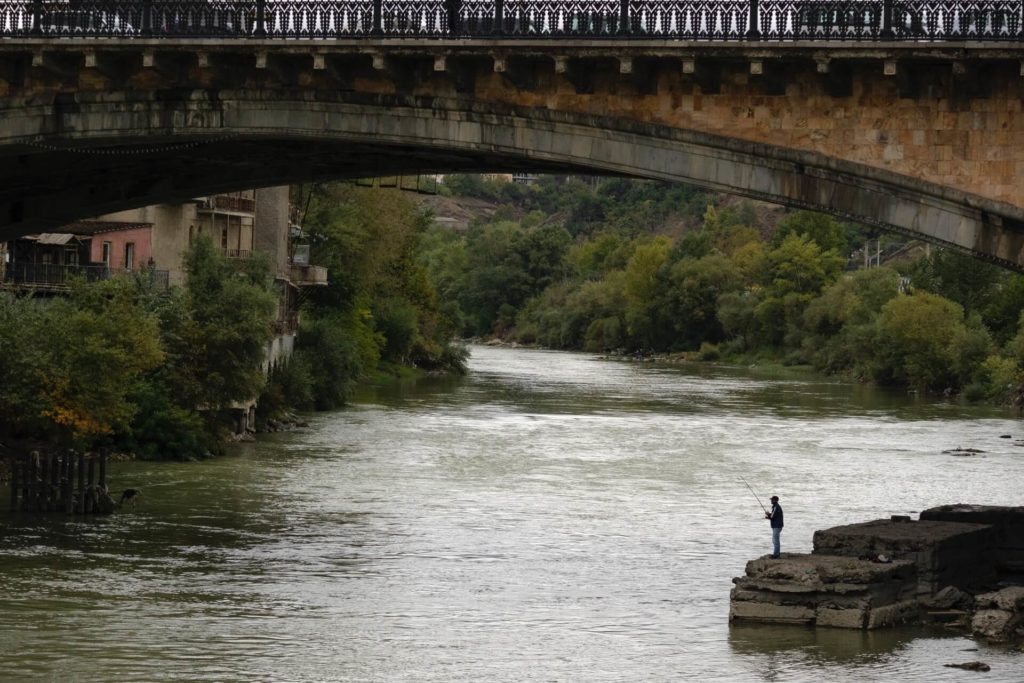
column 154, row 239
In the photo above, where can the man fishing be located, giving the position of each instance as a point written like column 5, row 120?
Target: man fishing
column 775, row 518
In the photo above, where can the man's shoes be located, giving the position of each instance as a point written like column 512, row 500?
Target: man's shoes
column 774, row 557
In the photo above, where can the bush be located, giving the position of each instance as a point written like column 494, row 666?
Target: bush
column 709, row 352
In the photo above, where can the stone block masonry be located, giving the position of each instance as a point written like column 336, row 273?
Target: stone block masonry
column 822, row 590
column 1008, row 523
column 945, row 553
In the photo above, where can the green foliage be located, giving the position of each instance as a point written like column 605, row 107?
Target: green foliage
column 965, row 280
column 924, row 342
column 340, row 349
column 820, row 228
column 655, row 266
column 232, row 310
column 691, row 302
column 388, row 268
column 1002, row 310
column 289, row 386
column 643, row 286
column 69, row 365
column 839, row 326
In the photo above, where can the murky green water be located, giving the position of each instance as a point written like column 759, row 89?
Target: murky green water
column 551, row 517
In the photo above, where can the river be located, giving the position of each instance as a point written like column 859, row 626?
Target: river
column 549, row 517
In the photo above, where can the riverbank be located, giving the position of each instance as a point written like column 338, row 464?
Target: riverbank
column 548, row 512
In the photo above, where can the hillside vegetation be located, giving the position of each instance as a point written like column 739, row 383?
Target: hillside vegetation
column 614, row 265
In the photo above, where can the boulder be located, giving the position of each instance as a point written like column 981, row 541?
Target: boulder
column 1010, row 599
column 996, row 625
column 949, row 597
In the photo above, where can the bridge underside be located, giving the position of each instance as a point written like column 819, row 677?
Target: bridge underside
column 92, row 153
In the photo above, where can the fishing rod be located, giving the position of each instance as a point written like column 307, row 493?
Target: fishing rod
column 755, row 495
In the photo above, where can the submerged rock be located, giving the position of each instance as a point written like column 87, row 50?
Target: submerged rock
column 970, row 666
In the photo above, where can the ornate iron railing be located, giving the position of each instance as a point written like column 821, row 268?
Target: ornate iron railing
column 764, row 20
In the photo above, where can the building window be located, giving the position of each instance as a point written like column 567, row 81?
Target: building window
column 129, row 256
column 106, row 254
column 224, row 239
column 191, row 233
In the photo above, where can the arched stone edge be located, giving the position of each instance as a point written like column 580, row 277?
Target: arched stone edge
column 972, row 224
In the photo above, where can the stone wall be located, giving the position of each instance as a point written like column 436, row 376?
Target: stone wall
column 1008, row 523
column 826, row 591
column 945, row 553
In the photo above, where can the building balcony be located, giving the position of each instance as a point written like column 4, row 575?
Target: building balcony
column 223, row 203
column 237, row 253
column 308, row 276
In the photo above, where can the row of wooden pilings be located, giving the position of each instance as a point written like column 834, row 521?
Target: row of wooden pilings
column 46, row 482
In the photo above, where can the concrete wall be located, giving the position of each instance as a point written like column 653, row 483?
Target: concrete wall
column 172, row 225
column 271, row 227
column 140, row 240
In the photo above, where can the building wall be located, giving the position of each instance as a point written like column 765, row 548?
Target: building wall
column 271, row 227
column 170, row 234
column 141, row 238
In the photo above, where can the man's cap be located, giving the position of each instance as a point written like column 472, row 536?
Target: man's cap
column 775, row 497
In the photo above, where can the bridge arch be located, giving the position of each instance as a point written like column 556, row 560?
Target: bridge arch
column 98, row 152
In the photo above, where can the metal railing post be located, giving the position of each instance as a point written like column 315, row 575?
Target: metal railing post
column 624, row 24
column 499, row 18
column 754, row 27
column 147, row 17
column 261, row 19
column 378, row 23
column 37, row 17
column 887, row 33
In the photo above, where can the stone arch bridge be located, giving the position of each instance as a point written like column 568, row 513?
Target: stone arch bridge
column 906, row 116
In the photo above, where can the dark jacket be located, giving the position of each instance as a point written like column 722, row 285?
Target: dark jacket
column 776, row 516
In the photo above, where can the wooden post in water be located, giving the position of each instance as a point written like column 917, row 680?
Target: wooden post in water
column 80, row 508
column 89, row 485
column 15, row 467
column 53, row 503
column 26, row 475
column 42, row 494
column 103, row 470
column 69, row 470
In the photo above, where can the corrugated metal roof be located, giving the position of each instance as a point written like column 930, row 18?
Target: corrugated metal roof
column 57, row 238
column 93, row 227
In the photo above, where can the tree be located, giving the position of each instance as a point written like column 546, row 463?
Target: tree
column 70, row 365
column 923, row 342
column 643, row 286
column 223, row 339
column 820, row 228
column 798, row 270
column 839, row 325
column 695, row 286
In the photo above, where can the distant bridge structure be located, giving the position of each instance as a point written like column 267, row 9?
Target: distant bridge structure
column 902, row 114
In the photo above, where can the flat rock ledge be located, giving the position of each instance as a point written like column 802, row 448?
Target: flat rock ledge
column 826, row 590
column 959, row 565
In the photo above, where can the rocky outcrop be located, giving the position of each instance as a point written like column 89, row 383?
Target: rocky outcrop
column 945, row 553
column 1000, row 615
column 886, row 572
column 1008, row 523
column 825, row 591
